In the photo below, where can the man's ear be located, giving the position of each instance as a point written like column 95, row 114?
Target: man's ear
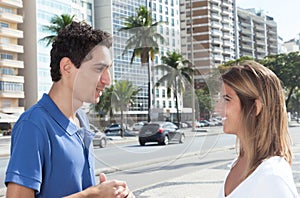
column 66, row 66
column 258, row 105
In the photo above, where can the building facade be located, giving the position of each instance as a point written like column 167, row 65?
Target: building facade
column 257, row 34
column 109, row 16
column 208, row 34
column 38, row 13
column 11, row 62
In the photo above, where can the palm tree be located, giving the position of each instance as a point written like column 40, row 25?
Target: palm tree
column 104, row 106
column 144, row 41
column 178, row 74
column 57, row 23
column 123, row 94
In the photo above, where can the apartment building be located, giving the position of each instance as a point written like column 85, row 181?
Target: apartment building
column 11, row 63
column 109, row 16
column 257, row 34
column 38, row 13
column 291, row 45
column 208, row 34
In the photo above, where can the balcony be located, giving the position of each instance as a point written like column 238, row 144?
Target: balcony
column 12, row 3
column 11, row 17
column 11, row 63
column 10, row 78
column 215, row 24
column 12, row 110
column 11, row 94
column 12, row 48
column 8, row 32
column 216, row 16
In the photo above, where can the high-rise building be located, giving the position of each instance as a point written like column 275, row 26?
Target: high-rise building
column 291, row 45
column 38, row 13
column 109, row 16
column 208, row 33
column 257, row 34
column 11, row 81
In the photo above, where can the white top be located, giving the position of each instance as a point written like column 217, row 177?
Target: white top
column 271, row 179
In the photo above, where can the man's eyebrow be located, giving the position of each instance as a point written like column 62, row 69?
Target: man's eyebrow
column 103, row 64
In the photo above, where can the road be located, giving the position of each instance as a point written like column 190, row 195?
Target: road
column 143, row 166
column 125, row 156
column 153, row 175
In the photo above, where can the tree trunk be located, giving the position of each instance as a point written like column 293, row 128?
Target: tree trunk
column 177, row 108
column 122, row 125
column 149, row 92
column 289, row 97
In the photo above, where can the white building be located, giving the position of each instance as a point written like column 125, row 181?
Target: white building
column 38, row 13
column 109, row 16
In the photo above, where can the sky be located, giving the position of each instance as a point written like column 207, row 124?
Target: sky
column 286, row 14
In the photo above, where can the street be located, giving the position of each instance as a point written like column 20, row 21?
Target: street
column 147, row 167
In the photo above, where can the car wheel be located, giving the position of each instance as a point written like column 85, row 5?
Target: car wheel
column 165, row 140
column 182, row 137
column 103, row 143
column 142, row 143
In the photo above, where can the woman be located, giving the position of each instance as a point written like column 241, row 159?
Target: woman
column 253, row 108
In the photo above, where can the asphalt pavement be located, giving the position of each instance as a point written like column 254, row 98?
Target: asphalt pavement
column 202, row 183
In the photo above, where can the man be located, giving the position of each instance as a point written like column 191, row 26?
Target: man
column 51, row 148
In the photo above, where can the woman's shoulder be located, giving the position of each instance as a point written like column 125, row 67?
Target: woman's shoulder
column 275, row 165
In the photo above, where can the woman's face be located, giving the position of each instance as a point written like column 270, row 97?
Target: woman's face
column 230, row 110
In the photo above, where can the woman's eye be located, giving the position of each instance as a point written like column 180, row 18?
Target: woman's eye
column 226, row 98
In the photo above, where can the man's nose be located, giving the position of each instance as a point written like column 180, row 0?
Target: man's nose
column 105, row 78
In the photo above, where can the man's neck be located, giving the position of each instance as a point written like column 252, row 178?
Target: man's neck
column 64, row 101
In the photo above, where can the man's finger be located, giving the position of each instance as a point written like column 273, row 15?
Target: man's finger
column 102, row 177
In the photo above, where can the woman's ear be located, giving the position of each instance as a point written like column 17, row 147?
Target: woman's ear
column 258, row 105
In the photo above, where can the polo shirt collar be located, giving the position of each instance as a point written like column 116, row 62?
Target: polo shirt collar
column 47, row 103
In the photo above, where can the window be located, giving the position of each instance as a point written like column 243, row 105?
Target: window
column 170, row 104
column 157, row 92
column 5, row 25
column 5, row 40
column 7, row 71
column 7, row 56
column 163, row 93
column 164, row 104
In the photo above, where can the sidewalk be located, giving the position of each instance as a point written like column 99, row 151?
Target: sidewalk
column 203, row 183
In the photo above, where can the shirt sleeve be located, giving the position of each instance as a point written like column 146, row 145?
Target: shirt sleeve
column 26, row 161
column 273, row 186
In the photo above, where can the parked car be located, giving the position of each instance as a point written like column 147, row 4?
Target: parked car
column 100, row 138
column 137, row 126
column 161, row 132
column 115, row 130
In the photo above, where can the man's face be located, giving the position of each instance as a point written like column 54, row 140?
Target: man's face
column 93, row 75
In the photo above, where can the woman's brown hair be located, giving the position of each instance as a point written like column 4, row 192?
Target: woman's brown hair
column 265, row 133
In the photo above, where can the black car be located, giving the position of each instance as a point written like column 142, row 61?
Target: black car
column 161, row 132
column 100, row 138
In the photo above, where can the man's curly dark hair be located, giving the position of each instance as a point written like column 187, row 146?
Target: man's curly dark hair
column 75, row 41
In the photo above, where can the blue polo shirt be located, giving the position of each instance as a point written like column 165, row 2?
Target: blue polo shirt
column 49, row 153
